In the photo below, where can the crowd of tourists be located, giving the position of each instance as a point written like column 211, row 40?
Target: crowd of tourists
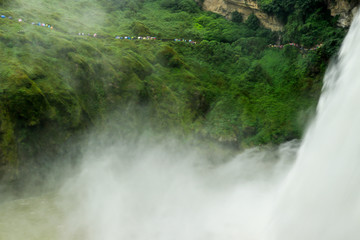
column 88, row 34
column 20, row 20
column 135, row 38
column 141, row 38
column 154, row 38
column 297, row 46
column 184, row 40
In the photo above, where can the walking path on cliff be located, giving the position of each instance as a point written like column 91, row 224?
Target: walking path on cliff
column 118, row 37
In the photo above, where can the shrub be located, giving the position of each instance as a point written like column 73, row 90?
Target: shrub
column 237, row 17
column 140, row 29
column 168, row 57
column 181, row 5
column 252, row 22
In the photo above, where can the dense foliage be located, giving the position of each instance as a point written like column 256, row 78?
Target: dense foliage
column 307, row 22
column 230, row 87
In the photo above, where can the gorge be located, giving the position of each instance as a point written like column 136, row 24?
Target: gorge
column 228, row 138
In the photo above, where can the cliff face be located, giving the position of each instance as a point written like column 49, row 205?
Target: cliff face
column 345, row 9
column 245, row 7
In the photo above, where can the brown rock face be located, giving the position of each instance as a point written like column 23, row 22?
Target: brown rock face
column 245, row 7
column 345, row 9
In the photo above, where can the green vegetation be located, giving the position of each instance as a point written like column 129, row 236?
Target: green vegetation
column 307, row 22
column 230, row 87
column 237, row 17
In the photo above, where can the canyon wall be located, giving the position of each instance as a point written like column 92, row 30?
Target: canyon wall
column 245, row 7
column 345, row 9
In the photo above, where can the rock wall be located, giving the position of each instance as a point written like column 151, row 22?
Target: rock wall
column 345, row 9
column 245, row 7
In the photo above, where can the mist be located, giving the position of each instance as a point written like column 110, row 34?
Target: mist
column 68, row 16
column 156, row 186
column 155, row 190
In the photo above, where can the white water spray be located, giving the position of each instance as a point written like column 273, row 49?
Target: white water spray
column 156, row 193
column 320, row 199
column 147, row 193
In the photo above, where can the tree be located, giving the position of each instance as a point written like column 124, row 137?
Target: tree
column 253, row 22
column 181, row 5
column 237, row 17
column 140, row 29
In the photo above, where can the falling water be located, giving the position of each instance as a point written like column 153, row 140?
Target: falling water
column 165, row 191
column 320, row 198
column 155, row 192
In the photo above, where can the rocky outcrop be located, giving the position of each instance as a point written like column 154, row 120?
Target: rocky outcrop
column 345, row 9
column 245, row 7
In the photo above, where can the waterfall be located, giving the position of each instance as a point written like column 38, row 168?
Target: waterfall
column 147, row 189
column 320, row 197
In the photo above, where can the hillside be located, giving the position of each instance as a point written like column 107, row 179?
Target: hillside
column 231, row 86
